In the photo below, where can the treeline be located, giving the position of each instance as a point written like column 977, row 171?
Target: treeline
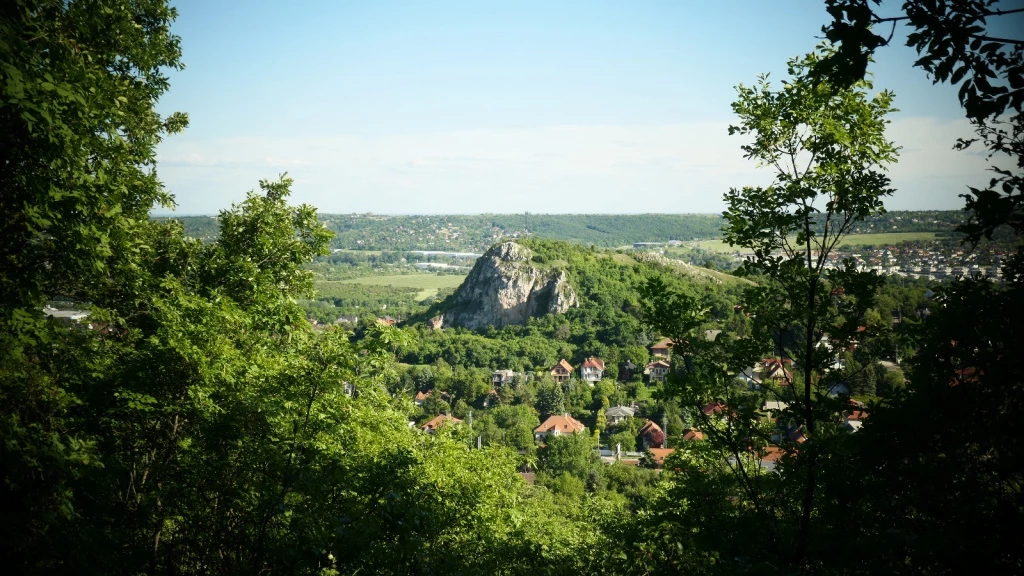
column 476, row 233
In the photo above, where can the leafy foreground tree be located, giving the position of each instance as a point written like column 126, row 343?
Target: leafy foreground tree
column 193, row 422
column 934, row 482
column 219, row 436
column 977, row 46
column 828, row 151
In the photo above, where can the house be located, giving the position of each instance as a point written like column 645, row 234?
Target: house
column 351, row 320
column 662, row 348
column 713, row 408
column 492, row 398
column 350, row 389
column 796, row 434
column 856, row 415
column 772, row 407
column 651, row 435
column 561, row 371
column 692, row 434
column 72, row 318
column 438, row 422
column 769, row 457
column 421, row 397
column 387, row 321
column 658, row 456
column 501, row 377
column 657, row 370
column 750, row 377
column 592, row 370
column 626, row 371
column 558, row 424
column 774, row 369
column 618, row 414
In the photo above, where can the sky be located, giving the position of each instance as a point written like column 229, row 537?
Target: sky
column 504, row 107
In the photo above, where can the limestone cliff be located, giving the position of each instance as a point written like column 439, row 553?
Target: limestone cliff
column 505, row 288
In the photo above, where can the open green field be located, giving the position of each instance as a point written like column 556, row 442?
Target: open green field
column 427, row 284
column 852, row 240
column 351, row 251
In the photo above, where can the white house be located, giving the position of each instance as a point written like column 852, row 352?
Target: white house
column 592, row 370
column 618, row 414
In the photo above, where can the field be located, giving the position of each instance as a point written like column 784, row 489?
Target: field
column 851, row 240
column 427, row 284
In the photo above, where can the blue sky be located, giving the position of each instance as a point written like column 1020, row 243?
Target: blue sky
column 468, row 107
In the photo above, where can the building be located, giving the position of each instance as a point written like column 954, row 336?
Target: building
column 662, row 348
column 438, row 422
column 658, row 455
column 558, row 425
column 502, row 377
column 592, row 370
column 692, row 434
column 562, row 371
column 657, row 370
column 651, row 435
column 618, row 414
column 626, row 371
column 421, row 397
column 775, row 369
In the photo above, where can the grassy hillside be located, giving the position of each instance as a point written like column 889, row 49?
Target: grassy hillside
column 427, row 284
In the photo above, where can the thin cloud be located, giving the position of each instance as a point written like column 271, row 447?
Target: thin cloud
column 626, row 169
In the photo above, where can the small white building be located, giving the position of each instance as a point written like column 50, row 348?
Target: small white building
column 592, row 370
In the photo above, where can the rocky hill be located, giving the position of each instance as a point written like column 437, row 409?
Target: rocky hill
column 504, row 288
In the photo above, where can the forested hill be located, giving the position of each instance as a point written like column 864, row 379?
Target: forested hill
column 476, row 233
column 606, row 320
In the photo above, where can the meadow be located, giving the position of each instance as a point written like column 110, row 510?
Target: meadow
column 427, row 284
column 880, row 239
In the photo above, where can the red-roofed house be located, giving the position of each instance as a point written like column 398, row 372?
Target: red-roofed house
column 561, row 371
column 855, row 415
column 713, row 408
column 592, row 370
column 692, row 434
column 557, row 425
column 657, row 370
column 421, row 397
column 651, row 435
column 658, row 456
column 775, row 369
column 437, row 422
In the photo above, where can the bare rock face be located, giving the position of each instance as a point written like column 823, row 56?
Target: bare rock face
column 504, row 288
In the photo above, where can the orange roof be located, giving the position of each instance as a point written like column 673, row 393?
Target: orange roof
column 657, row 363
column 713, row 408
column 663, row 343
column 649, row 426
column 660, row 454
column 772, row 454
column 563, row 364
column 438, row 421
column 421, row 396
column 562, row 423
column 693, row 434
column 594, row 363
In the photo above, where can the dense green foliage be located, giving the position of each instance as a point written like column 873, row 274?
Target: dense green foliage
column 189, row 419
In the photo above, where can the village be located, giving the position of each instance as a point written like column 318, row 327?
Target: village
column 771, row 379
